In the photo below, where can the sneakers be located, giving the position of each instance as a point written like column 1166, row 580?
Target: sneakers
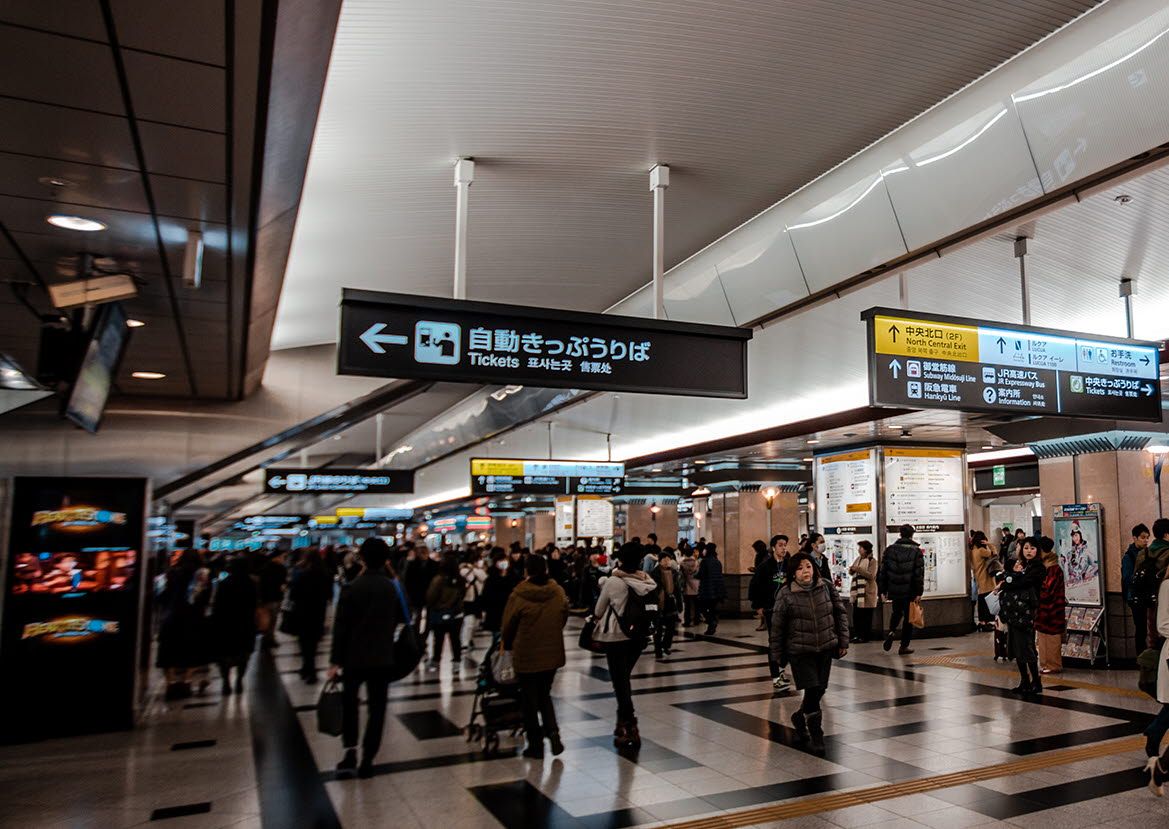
column 781, row 683
column 348, row 766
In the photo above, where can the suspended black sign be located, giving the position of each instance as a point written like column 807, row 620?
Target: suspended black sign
column 317, row 481
column 402, row 336
column 929, row 361
column 496, row 476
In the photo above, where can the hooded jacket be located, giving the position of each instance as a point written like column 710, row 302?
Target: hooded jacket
column 902, row 573
column 533, row 626
column 614, row 595
column 807, row 620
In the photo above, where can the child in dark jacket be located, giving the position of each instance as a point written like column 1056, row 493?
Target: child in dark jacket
column 809, row 628
column 1019, row 602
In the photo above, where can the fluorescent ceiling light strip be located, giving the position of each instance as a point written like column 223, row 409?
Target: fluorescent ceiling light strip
column 1000, row 454
column 965, row 143
column 1032, row 96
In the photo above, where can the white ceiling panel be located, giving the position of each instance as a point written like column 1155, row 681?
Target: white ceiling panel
column 566, row 106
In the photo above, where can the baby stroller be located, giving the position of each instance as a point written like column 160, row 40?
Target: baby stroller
column 495, row 708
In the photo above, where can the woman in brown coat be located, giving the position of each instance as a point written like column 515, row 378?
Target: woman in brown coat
column 533, row 629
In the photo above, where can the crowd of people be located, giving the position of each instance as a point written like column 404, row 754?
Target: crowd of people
column 214, row 608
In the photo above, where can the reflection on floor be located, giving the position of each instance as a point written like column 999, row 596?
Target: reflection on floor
column 933, row 739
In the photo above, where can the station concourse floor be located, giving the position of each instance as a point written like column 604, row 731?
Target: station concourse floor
column 933, row 739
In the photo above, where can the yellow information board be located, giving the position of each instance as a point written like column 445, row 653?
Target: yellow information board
column 484, row 466
column 925, row 338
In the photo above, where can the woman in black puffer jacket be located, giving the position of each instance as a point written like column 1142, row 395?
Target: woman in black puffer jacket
column 1019, row 602
column 809, row 627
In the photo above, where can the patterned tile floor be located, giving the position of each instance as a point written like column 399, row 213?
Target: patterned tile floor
column 718, row 752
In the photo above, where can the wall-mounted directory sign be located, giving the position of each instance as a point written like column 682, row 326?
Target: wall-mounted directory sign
column 72, row 601
column 405, row 336
column 928, row 361
column 331, row 480
column 846, row 507
column 925, row 487
column 493, row 476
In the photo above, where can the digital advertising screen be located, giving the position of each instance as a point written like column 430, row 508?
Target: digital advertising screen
column 91, row 389
column 71, row 605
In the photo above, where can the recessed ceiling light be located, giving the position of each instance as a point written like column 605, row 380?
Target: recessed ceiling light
column 75, row 222
column 148, row 375
column 134, row 323
column 55, row 181
column 813, row 441
column 700, row 463
column 808, row 460
column 656, row 469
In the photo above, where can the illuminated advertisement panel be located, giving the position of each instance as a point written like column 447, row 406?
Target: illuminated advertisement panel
column 71, row 606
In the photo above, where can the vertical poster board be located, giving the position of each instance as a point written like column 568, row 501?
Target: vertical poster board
column 846, row 507
column 926, row 488
column 72, row 601
column 1078, row 541
column 594, row 517
column 565, row 522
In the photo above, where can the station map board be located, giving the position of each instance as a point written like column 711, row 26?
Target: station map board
column 929, row 361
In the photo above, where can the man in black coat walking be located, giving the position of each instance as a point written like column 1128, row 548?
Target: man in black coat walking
column 368, row 613
column 901, row 579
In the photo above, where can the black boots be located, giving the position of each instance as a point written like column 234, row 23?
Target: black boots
column 800, row 724
column 816, row 731
column 626, row 734
column 535, row 747
column 348, row 765
column 554, row 741
column 1036, row 687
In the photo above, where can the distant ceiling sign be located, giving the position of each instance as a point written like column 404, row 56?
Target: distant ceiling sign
column 403, row 336
column 491, row 476
column 316, row 481
column 928, row 361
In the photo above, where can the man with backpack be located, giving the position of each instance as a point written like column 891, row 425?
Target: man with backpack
column 1128, row 566
column 1148, row 570
column 623, row 623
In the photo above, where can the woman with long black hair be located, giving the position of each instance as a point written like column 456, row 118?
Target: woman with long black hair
column 444, row 609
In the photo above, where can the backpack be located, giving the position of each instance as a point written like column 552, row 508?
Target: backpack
column 635, row 621
column 1146, row 582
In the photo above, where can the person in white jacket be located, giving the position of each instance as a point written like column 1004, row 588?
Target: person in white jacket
column 621, row 651
column 474, row 573
column 1158, row 766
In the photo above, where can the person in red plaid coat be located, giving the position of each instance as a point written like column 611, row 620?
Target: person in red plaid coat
column 1051, row 617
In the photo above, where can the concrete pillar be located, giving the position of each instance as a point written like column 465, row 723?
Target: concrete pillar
column 1122, row 483
column 505, row 533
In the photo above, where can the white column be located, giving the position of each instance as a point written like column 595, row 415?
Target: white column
column 659, row 180
column 464, row 175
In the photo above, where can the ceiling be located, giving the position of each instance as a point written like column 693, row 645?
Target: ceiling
column 149, row 159
column 565, row 107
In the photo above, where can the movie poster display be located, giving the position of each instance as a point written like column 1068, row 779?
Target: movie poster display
column 846, row 508
column 71, row 606
column 1077, row 542
column 925, row 487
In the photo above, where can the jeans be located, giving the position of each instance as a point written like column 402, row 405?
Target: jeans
column 862, row 623
column 449, row 631
column 308, row 654
column 1155, row 733
column 900, row 617
column 622, row 657
column 377, row 685
column 536, row 701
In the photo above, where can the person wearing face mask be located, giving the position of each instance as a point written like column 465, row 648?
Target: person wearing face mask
column 814, row 547
column 809, row 628
column 496, row 591
column 1019, row 602
column 901, row 579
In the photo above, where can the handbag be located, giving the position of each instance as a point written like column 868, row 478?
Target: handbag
column 1149, row 663
column 329, row 709
column 916, row 615
column 408, row 645
column 587, row 633
column 289, row 623
column 502, row 668
column 993, row 603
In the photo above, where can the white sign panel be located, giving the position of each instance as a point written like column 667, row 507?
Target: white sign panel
column 594, row 518
column 846, row 503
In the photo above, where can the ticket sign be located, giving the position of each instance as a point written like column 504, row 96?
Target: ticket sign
column 492, row 476
column 316, row 481
column 929, row 361
column 404, row 336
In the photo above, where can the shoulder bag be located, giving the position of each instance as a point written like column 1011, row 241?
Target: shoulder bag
column 408, row 645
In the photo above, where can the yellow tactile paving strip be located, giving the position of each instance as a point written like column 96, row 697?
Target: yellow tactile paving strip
column 889, row 791
column 951, row 661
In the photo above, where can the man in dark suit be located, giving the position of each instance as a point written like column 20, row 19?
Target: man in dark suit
column 901, row 579
column 368, row 613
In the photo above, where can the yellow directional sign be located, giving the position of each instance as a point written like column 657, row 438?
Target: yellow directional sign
column 926, row 338
column 489, row 467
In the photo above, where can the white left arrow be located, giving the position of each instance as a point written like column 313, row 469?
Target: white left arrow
column 374, row 338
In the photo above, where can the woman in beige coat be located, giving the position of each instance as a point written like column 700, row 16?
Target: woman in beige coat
column 863, row 591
